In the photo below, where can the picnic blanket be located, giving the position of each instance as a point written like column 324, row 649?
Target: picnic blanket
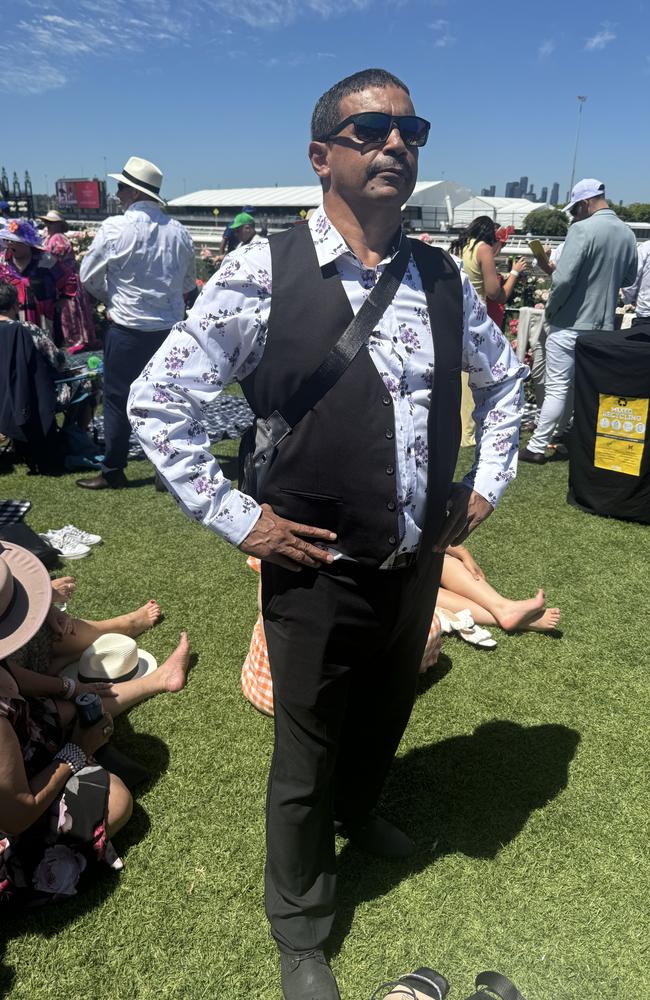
column 13, row 511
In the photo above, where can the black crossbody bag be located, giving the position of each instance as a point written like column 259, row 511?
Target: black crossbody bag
column 259, row 444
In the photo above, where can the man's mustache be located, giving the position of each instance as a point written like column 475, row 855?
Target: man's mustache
column 395, row 165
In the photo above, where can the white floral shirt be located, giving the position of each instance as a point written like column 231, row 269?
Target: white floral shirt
column 223, row 338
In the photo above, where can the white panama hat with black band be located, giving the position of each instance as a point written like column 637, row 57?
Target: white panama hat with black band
column 112, row 658
column 141, row 175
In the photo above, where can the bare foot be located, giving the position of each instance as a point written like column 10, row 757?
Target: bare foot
column 547, row 620
column 64, row 588
column 172, row 674
column 515, row 614
column 139, row 621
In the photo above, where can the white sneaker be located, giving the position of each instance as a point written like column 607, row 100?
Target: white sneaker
column 83, row 537
column 69, row 547
column 71, row 534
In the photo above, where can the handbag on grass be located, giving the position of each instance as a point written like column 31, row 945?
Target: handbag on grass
column 260, row 442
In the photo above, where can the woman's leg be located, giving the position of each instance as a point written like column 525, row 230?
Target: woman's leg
column 170, row 676
column 449, row 601
column 509, row 615
column 69, row 647
column 120, row 805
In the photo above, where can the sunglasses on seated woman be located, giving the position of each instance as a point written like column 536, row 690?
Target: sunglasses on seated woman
column 376, row 126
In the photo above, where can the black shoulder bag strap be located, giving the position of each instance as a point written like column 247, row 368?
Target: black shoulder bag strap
column 270, row 431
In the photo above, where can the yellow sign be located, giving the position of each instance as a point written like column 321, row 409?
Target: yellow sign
column 620, row 434
column 215, row 211
column 302, row 213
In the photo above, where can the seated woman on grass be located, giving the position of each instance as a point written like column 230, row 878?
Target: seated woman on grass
column 58, row 807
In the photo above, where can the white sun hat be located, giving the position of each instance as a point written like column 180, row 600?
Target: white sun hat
column 141, row 175
column 114, row 658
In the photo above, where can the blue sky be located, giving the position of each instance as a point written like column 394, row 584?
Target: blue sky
column 219, row 93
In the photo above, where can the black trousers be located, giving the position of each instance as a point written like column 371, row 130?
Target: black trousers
column 126, row 352
column 345, row 647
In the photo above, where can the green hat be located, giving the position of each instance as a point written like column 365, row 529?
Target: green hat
column 243, row 219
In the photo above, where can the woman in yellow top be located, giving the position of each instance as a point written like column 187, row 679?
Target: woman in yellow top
column 477, row 247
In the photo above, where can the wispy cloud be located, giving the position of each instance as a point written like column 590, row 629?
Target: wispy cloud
column 442, row 34
column 50, row 47
column 546, row 49
column 276, row 13
column 600, row 39
column 297, row 59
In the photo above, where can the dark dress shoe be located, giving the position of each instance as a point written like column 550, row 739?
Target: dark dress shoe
column 307, row 976
column 532, row 456
column 105, row 481
column 379, row 837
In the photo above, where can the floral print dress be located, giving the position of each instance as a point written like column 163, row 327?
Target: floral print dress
column 45, row 862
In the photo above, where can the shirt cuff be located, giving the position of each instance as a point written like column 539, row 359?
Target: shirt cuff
column 490, row 486
column 236, row 517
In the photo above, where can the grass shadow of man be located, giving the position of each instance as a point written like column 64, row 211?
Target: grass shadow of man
column 470, row 794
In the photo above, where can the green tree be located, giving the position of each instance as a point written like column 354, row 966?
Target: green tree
column 640, row 212
column 546, row 222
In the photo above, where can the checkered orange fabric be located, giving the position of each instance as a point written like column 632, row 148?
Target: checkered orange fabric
column 256, row 673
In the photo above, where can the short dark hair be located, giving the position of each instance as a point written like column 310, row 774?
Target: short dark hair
column 326, row 113
column 8, row 296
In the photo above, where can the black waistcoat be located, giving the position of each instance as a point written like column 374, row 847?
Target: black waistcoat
column 336, row 469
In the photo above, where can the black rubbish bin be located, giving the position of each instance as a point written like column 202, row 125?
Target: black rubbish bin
column 609, row 448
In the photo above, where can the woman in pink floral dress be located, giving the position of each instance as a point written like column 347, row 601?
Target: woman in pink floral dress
column 77, row 322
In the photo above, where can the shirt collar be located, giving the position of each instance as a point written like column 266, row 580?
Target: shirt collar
column 148, row 207
column 328, row 242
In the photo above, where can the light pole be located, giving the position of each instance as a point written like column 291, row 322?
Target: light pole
column 581, row 101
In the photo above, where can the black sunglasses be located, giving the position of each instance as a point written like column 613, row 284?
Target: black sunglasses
column 376, row 126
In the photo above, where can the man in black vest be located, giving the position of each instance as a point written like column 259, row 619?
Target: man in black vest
column 358, row 504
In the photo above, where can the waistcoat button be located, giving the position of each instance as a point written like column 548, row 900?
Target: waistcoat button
column 389, row 434
column 392, row 540
column 390, row 470
column 391, row 505
column 386, row 400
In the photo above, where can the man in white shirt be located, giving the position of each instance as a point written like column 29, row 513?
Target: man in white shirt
column 142, row 265
column 351, row 521
column 639, row 292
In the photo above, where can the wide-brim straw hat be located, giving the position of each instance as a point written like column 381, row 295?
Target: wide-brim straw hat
column 53, row 216
column 141, row 175
column 25, row 597
column 114, row 658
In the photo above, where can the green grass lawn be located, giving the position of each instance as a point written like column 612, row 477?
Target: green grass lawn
column 523, row 776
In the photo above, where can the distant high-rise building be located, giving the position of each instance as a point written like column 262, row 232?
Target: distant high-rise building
column 488, row 192
column 513, row 189
column 555, row 193
column 543, row 197
column 523, row 186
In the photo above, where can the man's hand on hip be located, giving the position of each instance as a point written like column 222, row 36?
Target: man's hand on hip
column 279, row 541
column 466, row 509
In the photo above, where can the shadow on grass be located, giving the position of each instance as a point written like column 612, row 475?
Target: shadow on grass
column 99, row 881
column 470, row 794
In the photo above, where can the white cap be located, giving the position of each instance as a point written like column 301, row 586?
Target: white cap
column 589, row 187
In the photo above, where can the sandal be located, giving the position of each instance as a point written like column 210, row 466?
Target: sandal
column 464, row 626
column 427, row 982
column 494, row 985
